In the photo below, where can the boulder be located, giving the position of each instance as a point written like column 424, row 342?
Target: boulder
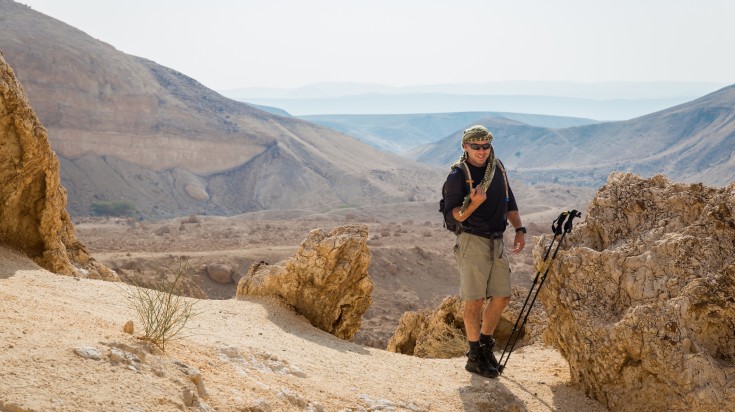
column 33, row 215
column 220, row 273
column 640, row 300
column 440, row 333
column 432, row 333
column 326, row 281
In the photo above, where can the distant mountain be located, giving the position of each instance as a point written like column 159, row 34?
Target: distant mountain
column 400, row 133
column 598, row 100
column 691, row 142
column 126, row 129
column 613, row 109
column 583, row 90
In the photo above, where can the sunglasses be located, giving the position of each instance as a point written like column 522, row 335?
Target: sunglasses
column 475, row 146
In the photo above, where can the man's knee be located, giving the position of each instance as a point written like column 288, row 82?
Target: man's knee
column 473, row 305
column 501, row 300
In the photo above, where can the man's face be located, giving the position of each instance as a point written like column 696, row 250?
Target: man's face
column 477, row 152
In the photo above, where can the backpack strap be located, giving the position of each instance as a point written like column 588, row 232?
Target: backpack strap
column 505, row 179
column 467, row 175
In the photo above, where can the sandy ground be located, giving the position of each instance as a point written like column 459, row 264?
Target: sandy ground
column 236, row 355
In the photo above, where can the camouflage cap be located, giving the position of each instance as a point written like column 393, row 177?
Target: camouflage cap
column 476, row 133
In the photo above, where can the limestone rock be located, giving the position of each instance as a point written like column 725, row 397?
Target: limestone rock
column 88, row 352
column 33, row 215
column 220, row 273
column 326, row 281
column 129, row 327
column 441, row 334
column 640, row 299
column 431, row 334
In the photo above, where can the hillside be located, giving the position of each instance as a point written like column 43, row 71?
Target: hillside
column 128, row 130
column 692, row 142
column 399, row 133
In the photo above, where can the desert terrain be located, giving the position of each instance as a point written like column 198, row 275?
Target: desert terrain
column 412, row 263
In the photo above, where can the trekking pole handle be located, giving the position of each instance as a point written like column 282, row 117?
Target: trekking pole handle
column 558, row 224
column 568, row 224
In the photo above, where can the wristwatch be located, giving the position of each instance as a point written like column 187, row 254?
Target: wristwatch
column 521, row 229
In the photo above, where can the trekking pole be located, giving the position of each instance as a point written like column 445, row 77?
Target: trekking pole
column 558, row 227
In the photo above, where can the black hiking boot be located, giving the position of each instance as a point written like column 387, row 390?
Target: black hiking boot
column 487, row 350
column 477, row 363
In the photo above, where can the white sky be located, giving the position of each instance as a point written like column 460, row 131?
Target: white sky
column 227, row 44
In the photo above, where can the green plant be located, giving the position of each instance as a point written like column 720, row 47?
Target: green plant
column 162, row 311
column 113, row 208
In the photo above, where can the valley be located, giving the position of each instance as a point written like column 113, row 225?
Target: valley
column 412, row 265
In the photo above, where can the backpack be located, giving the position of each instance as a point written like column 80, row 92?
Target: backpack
column 455, row 226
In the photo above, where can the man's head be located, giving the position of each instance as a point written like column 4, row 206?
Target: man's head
column 476, row 142
column 477, row 133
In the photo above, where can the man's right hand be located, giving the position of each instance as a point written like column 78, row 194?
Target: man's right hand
column 477, row 196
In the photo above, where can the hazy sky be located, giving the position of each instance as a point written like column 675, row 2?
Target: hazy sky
column 227, row 44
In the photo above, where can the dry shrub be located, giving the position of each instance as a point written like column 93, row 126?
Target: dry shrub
column 446, row 342
column 162, row 311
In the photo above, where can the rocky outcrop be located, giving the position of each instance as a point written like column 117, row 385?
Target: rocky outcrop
column 326, row 281
column 431, row 334
column 440, row 333
column 33, row 215
column 641, row 299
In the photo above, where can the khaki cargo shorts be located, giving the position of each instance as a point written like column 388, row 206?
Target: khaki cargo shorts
column 481, row 275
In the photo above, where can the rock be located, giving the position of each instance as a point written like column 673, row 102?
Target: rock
column 88, row 352
column 220, row 273
column 163, row 230
column 441, row 334
column 33, row 215
column 195, row 377
column 640, row 298
column 431, row 334
column 119, row 356
column 129, row 327
column 326, row 281
column 236, row 276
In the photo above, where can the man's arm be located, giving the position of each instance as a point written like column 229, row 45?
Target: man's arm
column 514, row 217
column 477, row 197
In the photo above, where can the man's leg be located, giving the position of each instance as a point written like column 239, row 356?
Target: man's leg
column 472, row 315
column 491, row 315
column 477, row 361
column 490, row 320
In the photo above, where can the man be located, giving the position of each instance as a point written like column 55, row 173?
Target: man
column 482, row 203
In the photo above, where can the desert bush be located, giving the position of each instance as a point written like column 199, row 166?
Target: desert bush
column 449, row 342
column 162, row 311
column 120, row 208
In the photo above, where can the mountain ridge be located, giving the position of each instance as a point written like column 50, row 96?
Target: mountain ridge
column 126, row 129
column 690, row 142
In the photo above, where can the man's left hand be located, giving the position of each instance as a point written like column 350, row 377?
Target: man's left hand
column 519, row 242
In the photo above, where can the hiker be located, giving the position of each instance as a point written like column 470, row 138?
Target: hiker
column 480, row 204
